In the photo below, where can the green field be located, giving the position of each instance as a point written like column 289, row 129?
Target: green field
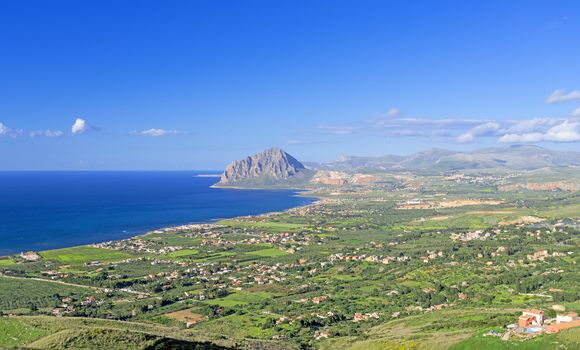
column 268, row 252
column 6, row 262
column 182, row 253
column 240, row 326
column 84, row 254
column 15, row 333
column 265, row 225
column 239, row 298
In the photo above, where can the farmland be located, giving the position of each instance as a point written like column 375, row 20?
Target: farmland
column 79, row 255
column 432, row 265
column 26, row 294
column 6, row 262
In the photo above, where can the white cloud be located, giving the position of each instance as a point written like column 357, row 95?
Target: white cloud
column 465, row 138
column 158, row 132
column 515, row 138
column 394, row 124
column 393, row 112
column 566, row 131
column 561, row 95
column 297, row 142
column 416, row 122
column 79, row 126
column 337, row 130
column 46, row 133
column 484, row 129
column 531, row 125
column 8, row 132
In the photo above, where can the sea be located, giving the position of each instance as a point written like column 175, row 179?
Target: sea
column 53, row 209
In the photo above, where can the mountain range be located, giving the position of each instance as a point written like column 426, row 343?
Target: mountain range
column 276, row 168
column 515, row 157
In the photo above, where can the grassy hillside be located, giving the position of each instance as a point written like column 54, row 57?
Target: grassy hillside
column 450, row 329
column 82, row 333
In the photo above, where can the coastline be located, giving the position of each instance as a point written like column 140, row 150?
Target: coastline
column 316, row 201
column 297, row 193
column 258, row 188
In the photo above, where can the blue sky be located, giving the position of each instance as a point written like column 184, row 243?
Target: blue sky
column 194, row 84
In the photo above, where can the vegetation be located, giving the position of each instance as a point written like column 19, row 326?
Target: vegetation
column 406, row 261
column 14, row 332
column 16, row 293
column 6, row 262
column 80, row 255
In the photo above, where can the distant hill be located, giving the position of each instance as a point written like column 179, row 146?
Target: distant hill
column 515, row 157
column 274, row 168
column 270, row 168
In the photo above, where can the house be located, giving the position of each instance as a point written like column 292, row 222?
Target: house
column 318, row 300
column 30, row 256
column 281, row 320
column 531, row 317
column 539, row 254
column 439, row 306
column 89, row 300
column 321, row 334
column 57, row 312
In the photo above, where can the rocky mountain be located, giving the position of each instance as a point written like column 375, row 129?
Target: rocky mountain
column 270, row 168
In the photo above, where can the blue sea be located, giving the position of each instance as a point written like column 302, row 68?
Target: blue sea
column 48, row 210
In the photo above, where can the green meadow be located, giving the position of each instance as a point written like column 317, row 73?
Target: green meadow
column 265, row 225
column 84, row 254
column 6, row 262
column 268, row 253
column 15, row 333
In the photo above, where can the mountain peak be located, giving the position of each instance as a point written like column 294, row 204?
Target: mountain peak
column 272, row 151
column 270, row 165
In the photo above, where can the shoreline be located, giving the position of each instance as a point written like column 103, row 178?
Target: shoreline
column 298, row 193
column 259, row 188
